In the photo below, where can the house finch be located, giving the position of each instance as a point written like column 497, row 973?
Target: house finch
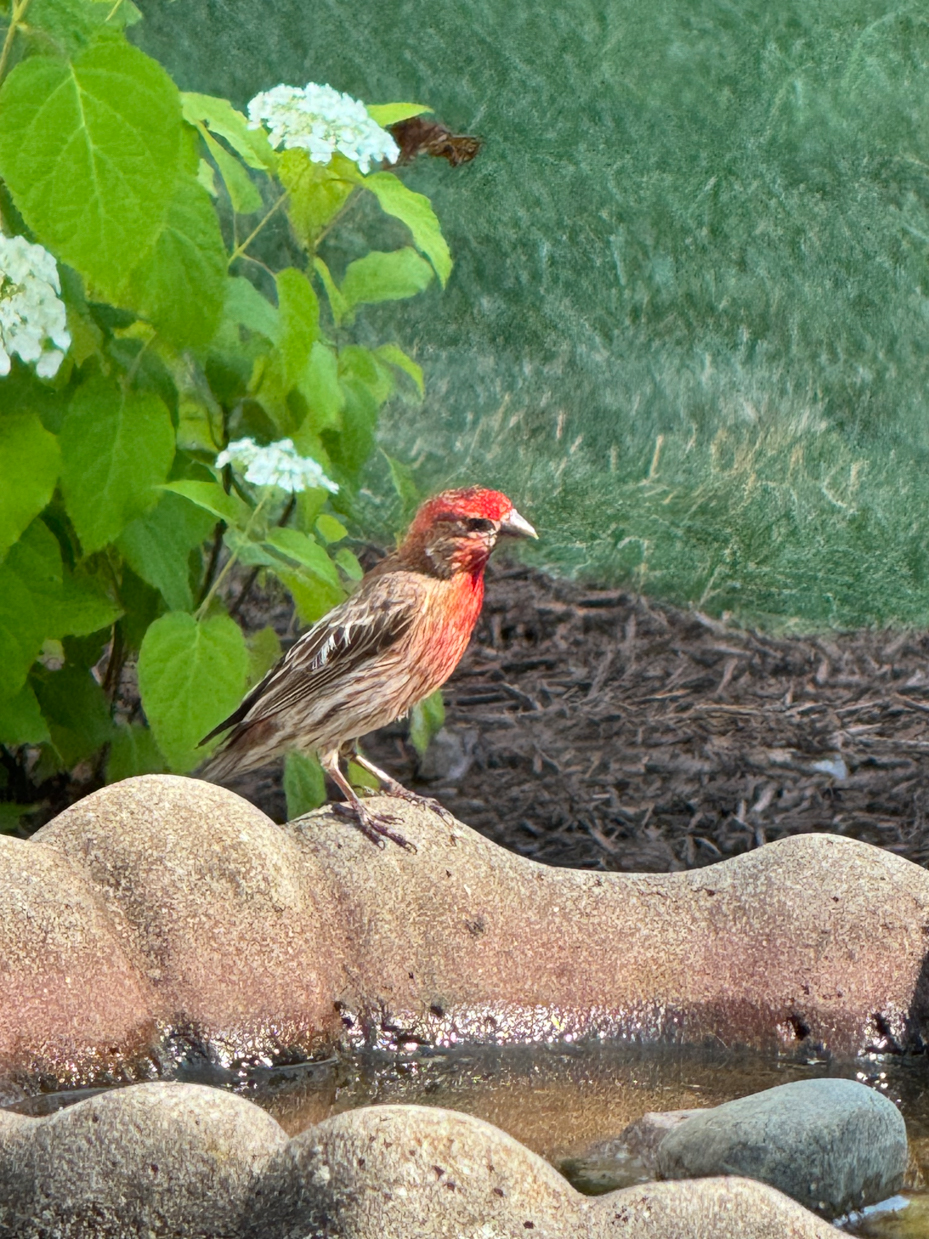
column 379, row 653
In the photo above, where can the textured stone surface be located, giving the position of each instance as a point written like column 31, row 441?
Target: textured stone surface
column 833, row 1145
column 399, row 1171
column 160, row 1161
column 413, row 1170
column 717, row 1208
column 72, row 1003
column 208, row 918
column 232, row 924
column 149, row 1160
column 643, row 1137
column 464, row 940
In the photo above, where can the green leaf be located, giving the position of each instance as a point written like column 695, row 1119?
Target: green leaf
column 206, row 177
column 414, row 210
column 191, row 676
column 212, row 498
column 42, row 597
column 329, row 529
column 21, row 720
column 30, row 597
column 82, row 607
column 143, row 605
column 312, row 596
column 249, row 551
column 316, row 193
column 426, row 721
column 120, row 13
column 180, row 284
column 10, row 815
column 76, row 710
column 245, row 305
column 361, row 778
column 395, row 356
column 381, row 276
column 352, row 447
column 251, row 145
column 199, row 420
column 366, row 367
column 133, row 751
column 91, row 152
column 304, row 784
column 386, row 114
column 298, row 317
column 264, row 650
column 243, row 194
column 303, row 550
column 67, row 25
column 337, row 303
column 157, row 547
column 116, row 448
column 298, row 311
column 29, row 466
column 86, row 651
column 401, row 476
column 349, row 564
column 319, row 386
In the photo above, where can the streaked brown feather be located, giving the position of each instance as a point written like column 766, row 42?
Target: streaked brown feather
column 355, row 632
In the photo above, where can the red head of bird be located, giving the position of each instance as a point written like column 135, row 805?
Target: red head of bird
column 455, row 532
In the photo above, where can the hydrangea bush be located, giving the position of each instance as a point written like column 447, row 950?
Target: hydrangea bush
column 33, row 319
column 321, row 121
column 175, row 404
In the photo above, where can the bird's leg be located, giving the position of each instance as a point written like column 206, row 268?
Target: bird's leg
column 393, row 788
column 376, row 826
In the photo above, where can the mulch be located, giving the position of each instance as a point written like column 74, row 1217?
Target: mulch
column 600, row 729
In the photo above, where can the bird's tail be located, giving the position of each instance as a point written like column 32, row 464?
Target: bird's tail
column 246, row 748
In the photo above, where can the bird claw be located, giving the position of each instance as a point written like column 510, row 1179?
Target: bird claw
column 374, row 826
column 399, row 792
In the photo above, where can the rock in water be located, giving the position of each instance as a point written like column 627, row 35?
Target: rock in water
column 159, row 1161
column 146, row 1162
column 833, row 1145
column 395, row 1172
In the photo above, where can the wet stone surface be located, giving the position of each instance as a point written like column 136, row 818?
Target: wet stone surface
column 834, row 1145
column 157, row 1160
column 574, row 1106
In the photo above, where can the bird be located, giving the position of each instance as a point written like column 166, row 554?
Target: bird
column 377, row 654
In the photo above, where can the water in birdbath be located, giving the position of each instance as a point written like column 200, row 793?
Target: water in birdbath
column 571, row 1103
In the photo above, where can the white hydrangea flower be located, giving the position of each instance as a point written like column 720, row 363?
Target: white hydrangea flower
column 278, row 464
column 322, row 121
column 32, row 315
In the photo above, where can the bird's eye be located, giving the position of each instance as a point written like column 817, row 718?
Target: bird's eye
column 478, row 524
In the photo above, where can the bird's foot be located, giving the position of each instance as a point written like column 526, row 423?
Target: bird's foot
column 399, row 792
column 375, row 826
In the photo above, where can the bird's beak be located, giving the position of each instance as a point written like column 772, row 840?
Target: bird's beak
column 516, row 526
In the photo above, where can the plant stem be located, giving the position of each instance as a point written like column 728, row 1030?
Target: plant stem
column 224, row 571
column 136, row 362
column 253, row 575
column 114, row 665
column 343, row 210
column 17, row 13
column 214, row 556
column 240, row 249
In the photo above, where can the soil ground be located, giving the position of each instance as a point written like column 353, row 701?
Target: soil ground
column 599, row 729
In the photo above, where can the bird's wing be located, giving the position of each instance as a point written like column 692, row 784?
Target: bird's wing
column 355, row 632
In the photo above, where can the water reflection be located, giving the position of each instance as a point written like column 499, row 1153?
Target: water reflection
column 569, row 1103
